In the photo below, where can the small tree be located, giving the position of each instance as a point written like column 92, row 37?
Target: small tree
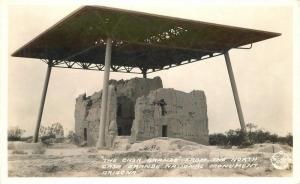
column 50, row 134
column 273, row 138
column 237, row 138
column 250, row 127
column 56, row 130
column 289, row 138
column 233, row 137
column 15, row 133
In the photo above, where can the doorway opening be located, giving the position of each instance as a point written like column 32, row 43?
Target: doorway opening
column 85, row 134
column 164, row 131
column 120, row 131
column 125, row 115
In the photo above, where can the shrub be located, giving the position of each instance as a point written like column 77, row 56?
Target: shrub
column 237, row 137
column 15, row 134
column 53, row 133
column 55, row 129
column 218, row 139
column 289, row 139
column 73, row 137
column 48, row 139
column 26, row 139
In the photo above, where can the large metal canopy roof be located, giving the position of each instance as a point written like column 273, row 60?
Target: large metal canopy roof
column 140, row 40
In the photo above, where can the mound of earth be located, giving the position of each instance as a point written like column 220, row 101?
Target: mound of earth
column 166, row 144
column 155, row 157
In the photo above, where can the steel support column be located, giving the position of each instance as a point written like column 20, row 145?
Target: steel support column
column 41, row 109
column 101, row 138
column 235, row 92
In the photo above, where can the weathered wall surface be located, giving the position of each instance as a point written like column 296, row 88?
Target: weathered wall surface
column 185, row 116
column 122, row 97
column 136, row 87
column 87, row 117
column 127, row 93
column 136, row 108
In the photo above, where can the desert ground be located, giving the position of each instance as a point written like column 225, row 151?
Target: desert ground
column 159, row 157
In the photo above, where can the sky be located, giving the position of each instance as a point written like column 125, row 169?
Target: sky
column 263, row 74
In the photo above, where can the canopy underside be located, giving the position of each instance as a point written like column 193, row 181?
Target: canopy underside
column 140, row 40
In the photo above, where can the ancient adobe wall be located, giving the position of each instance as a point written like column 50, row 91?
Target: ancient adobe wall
column 122, row 95
column 127, row 93
column 185, row 116
column 87, row 117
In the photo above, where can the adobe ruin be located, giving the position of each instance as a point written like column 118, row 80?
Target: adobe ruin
column 142, row 109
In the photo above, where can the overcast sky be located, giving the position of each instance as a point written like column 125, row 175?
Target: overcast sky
column 263, row 74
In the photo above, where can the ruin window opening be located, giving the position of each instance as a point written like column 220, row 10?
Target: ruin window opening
column 162, row 105
column 164, row 131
